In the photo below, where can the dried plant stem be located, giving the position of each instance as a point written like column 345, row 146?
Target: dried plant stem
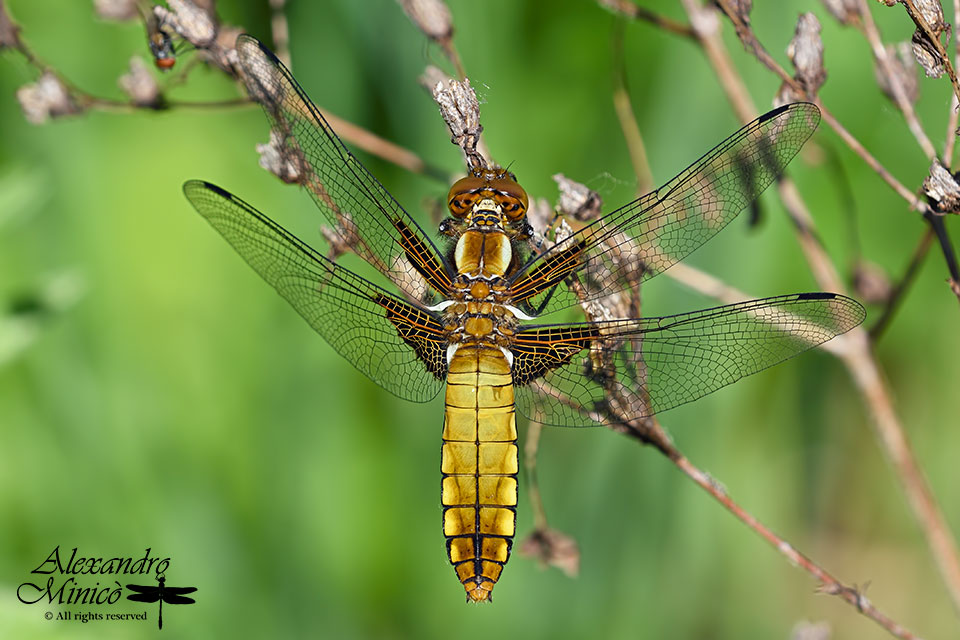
column 628, row 9
column 280, row 30
column 858, row 359
column 880, row 53
column 896, row 295
column 530, row 447
column 952, row 121
column 828, row 584
column 650, row 432
column 382, row 148
column 628, row 120
column 362, row 138
column 855, row 146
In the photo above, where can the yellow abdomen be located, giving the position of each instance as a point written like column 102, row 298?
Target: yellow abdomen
column 479, row 465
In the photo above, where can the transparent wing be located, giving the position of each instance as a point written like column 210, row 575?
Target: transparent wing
column 608, row 372
column 657, row 230
column 400, row 347
column 357, row 207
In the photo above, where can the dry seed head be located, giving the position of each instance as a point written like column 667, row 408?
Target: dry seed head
column 806, row 53
column 902, row 70
column 460, row 109
column 432, row 17
column 9, row 31
column 553, row 549
column 189, row 21
column 924, row 50
column 810, row 631
column 139, row 84
column 942, row 187
column 927, row 55
column 932, row 13
column 46, row 98
column 116, row 9
column 576, row 200
column 281, row 160
column 845, row 11
column 222, row 52
column 871, row 283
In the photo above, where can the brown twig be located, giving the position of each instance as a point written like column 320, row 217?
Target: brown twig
column 530, row 448
column 880, row 54
column 362, row 138
column 859, row 359
column 898, row 291
column 280, row 30
column 828, row 584
column 628, row 120
column 630, row 10
column 952, row 121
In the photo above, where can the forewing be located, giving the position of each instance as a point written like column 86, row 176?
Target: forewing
column 608, row 372
column 657, row 230
column 399, row 346
column 358, row 208
column 148, row 594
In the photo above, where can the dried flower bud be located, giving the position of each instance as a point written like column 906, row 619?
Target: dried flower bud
column 46, row 98
column 116, row 9
column 539, row 215
column 932, row 13
column 553, row 549
column 942, row 188
column 432, row 76
column 576, row 200
column 431, row 16
column 189, row 21
column 140, row 84
column 927, row 55
column 924, row 50
column 810, row 631
column 871, row 283
column 902, row 72
column 9, row 31
column 222, row 52
column 845, row 11
column 806, row 53
column 461, row 111
column 281, row 159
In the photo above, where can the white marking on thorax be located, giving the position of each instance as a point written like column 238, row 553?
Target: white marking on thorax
column 517, row 313
column 441, row 305
column 451, row 350
column 508, row 355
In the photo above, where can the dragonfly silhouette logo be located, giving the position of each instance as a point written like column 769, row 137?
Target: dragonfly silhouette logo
column 160, row 594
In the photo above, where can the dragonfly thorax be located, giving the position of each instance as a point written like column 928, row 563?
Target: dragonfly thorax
column 479, row 313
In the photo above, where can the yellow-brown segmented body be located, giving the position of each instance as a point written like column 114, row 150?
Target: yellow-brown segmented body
column 479, row 459
column 479, row 465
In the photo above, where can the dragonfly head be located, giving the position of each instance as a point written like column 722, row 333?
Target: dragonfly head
column 488, row 200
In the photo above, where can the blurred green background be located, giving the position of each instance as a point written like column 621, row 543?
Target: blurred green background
column 173, row 401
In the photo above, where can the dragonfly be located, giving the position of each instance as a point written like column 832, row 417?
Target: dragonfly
column 161, row 593
column 479, row 313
